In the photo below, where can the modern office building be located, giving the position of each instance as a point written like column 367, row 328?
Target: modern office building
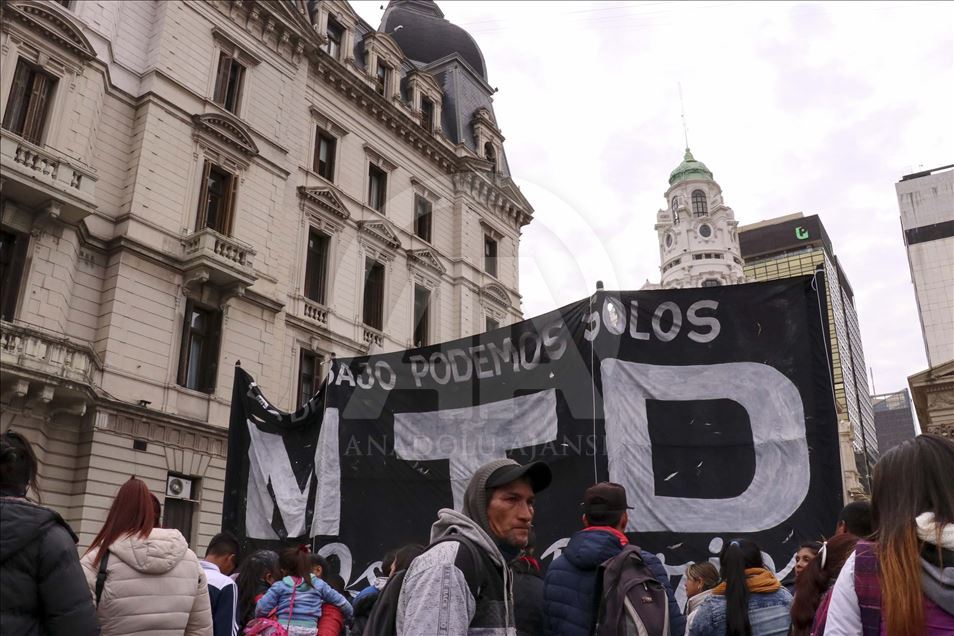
column 926, row 201
column 894, row 418
column 190, row 184
column 795, row 245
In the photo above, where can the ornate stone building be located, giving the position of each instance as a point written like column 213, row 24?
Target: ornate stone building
column 186, row 185
column 698, row 240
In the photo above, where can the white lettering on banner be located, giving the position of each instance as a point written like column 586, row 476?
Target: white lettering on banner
column 268, row 463
column 341, row 551
column 775, row 412
column 327, row 519
column 474, row 435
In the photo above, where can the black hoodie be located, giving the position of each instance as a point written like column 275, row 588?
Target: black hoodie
column 43, row 590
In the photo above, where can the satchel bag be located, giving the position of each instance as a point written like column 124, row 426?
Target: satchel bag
column 270, row 625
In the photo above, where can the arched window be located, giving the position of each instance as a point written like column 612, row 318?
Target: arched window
column 491, row 155
column 699, row 203
column 675, row 203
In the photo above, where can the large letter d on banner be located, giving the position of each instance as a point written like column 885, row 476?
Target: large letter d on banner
column 775, row 411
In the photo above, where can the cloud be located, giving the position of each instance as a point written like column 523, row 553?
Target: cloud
column 794, row 107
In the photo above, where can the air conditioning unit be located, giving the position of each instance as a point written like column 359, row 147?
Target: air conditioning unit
column 178, row 487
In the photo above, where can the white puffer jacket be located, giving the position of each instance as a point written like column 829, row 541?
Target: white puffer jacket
column 154, row 585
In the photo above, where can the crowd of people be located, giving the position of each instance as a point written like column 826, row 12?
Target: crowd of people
column 887, row 568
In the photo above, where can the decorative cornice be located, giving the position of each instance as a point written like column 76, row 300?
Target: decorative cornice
column 427, row 258
column 324, row 199
column 50, row 22
column 381, row 231
column 227, row 129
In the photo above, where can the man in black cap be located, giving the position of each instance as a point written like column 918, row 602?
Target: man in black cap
column 570, row 583
column 462, row 582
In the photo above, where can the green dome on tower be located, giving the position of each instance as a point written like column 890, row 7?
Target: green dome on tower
column 689, row 169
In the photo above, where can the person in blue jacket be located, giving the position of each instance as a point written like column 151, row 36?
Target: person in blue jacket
column 298, row 597
column 570, row 582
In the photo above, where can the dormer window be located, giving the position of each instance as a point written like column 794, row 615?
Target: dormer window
column 381, row 78
column 427, row 114
column 335, row 34
column 490, row 154
column 699, row 203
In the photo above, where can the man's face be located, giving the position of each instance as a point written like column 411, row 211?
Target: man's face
column 510, row 512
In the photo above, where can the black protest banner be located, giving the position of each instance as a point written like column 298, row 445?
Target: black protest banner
column 712, row 406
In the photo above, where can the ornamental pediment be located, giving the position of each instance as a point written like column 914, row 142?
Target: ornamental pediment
column 52, row 24
column 324, row 199
column 381, row 231
column 428, row 259
column 496, row 293
column 226, row 129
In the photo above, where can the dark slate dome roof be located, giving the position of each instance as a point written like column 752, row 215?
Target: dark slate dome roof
column 422, row 32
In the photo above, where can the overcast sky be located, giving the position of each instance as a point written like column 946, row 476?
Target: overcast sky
column 795, row 107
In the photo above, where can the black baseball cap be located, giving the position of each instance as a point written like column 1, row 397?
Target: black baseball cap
column 537, row 473
column 605, row 497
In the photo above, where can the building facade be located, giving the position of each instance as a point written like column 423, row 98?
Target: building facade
column 698, row 239
column 926, row 201
column 187, row 185
column 894, row 418
column 796, row 245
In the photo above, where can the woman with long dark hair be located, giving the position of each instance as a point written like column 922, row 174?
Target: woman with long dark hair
column 145, row 579
column 257, row 573
column 903, row 582
column 42, row 588
column 750, row 601
column 810, row 607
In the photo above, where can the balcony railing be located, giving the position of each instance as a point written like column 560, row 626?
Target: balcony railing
column 217, row 259
column 38, row 352
column 314, row 311
column 35, row 175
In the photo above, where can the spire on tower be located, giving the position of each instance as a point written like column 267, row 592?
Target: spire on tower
column 682, row 108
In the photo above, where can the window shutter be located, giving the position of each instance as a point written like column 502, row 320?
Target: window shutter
column 203, row 210
column 184, row 345
column 211, row 351
column 229, row 207
column 18, row 99
column 222, row 78
column 36, row 111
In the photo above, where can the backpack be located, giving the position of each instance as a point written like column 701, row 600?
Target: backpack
column 383, row 618
column 629, row 600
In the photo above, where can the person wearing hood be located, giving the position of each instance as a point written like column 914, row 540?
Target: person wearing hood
column 42, row 588
column 469, row 552
column 902, row 583
column 151, row 581
column 570, row 582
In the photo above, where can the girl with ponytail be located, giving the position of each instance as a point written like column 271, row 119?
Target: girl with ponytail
column 903, row 583
column 295, row 602
column 749, row 602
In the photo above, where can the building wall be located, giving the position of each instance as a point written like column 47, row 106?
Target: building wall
column 91, row 354
column 926, row 201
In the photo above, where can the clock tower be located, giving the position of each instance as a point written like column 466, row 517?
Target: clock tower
column 698, row 238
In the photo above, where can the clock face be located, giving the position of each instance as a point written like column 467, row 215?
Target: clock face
column 705, row 231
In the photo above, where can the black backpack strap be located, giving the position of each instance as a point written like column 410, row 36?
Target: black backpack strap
column 101, row 576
